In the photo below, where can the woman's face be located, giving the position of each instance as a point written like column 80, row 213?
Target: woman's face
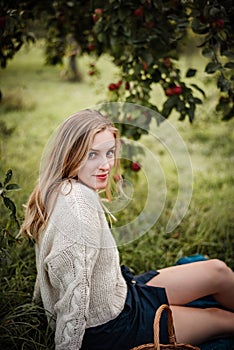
column 100, row 159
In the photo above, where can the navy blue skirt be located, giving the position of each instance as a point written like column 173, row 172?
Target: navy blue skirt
column 134, row 325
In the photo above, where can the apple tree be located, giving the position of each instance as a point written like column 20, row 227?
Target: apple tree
column 142, row 36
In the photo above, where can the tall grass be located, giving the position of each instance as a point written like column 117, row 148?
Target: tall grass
column 36, row 98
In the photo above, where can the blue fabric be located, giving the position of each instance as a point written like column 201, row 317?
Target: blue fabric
column 220, row 344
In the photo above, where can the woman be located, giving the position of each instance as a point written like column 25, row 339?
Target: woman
column 94, row 303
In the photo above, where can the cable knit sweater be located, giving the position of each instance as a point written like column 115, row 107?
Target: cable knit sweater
column 79, row 276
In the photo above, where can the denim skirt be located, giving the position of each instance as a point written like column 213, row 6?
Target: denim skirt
column 134, row 325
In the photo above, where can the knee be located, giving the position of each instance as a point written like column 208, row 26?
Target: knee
column 220, row 271
column 219, row 265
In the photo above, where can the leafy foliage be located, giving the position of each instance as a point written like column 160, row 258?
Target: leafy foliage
column 14, row 30
column 143, row 37
column 5, row 188
column 23, row 324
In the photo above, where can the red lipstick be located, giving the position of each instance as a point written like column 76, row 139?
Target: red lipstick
column 102, row 177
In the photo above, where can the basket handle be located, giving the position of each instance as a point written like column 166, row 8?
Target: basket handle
column 171, row 332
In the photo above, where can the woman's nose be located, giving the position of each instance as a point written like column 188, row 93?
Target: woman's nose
column 105, row 164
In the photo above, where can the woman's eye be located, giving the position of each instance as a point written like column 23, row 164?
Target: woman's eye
column 110, row 154
column 91, row 155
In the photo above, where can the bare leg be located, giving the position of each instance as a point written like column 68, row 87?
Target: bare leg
column 195, row 326
column 188, row 282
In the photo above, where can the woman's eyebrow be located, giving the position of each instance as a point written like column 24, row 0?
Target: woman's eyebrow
column 98, row 150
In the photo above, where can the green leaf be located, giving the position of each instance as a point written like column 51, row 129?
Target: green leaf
column 191, row 73
column 12, row 187
column 229, row 65
column 229, row 115
column 171, row 101
column 228, row 54
column 168, row 105
column 197, row 101
column 214, row 11
column 222, row 36
column 199, row 27
column 191, row 112
column 223, row 84
column 30, row 37
column 156, row 75
column 8, row 177
column 223, row 105
column 123, row 14
column 212, row 67
column 9, row 204
column 198, row 89
column 207, row 52
column 148, row 57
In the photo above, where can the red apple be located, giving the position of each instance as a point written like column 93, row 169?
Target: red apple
column 138, row 12
column 149, row 24
column 169, row 92
column 112, row 87
column 127, row 85
column 220, row 22
column 119, row 84
column 98, row 11
column 145, row 65
column 95, row 17
column 91, row 47
column 177, row 90
column 167, row 61
column 136, row 166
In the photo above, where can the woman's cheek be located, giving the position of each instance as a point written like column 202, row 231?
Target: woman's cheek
column 112, row 163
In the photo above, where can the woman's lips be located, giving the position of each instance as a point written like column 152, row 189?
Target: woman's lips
column 102, row 177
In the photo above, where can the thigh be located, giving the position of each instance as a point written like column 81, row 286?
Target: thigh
column 195, row 326
column 188, row 282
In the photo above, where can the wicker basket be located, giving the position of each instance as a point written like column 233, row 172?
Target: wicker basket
column 173, row 345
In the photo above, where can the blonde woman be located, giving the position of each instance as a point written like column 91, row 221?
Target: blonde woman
column 94, row 302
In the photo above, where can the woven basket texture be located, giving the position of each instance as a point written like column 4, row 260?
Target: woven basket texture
column 172, row 340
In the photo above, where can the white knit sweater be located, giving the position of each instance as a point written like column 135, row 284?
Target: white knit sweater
column 79, row 275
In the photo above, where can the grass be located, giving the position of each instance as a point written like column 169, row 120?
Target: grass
column 36, row 98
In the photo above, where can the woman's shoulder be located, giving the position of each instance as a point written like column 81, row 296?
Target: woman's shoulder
column 79, row 199
column 78, row 190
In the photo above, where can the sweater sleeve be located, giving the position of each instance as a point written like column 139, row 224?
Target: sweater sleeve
column 70, row 275
column 76, row 244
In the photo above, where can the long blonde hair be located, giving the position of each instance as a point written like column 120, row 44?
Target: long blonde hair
column 64, row 154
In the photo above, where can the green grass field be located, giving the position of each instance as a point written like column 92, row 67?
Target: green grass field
column 36, row 98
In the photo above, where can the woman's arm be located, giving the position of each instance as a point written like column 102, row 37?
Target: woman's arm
column 70, row 274
column 69, row 251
